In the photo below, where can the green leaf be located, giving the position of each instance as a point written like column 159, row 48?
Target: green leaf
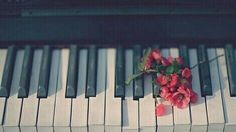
column 147, row 52
column 132, row 77
column 176, row 66
column 141, row 66
column 170, row 69
column 143, row 61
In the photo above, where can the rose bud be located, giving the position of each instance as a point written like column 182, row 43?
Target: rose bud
column 186, row 72
column 156, row 54
column 180, row 60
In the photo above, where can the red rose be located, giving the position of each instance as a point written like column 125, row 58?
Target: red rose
column 160, row 110
column 156, row 54
column 162, row 80
column 186, row 72
column 174, row 80
column 180, row 60
column 181, row 98
column 165, row 62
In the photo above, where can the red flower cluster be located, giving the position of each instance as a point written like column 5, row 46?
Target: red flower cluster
column 155, row 56
column 177, row 88
column 174, row 79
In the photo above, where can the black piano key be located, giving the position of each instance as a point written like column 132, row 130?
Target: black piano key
column 71, row 86
column 138, row 91
column 204, row 70
column 25, row 73
column 156, row 88
column 120, row 87
column 8, row 72
column 183, row 52
column 91, row 72
column 230, row 60
column 44, row 72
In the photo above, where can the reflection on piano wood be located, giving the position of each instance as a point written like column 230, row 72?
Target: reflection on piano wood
column 85, row 91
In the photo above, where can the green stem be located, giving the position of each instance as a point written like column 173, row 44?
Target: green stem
column 132, row 77
column 201, row 62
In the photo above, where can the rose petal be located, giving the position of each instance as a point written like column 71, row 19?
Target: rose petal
column 162, row 80
column 170, row 59
column 174, row 80
column 165, row 62
column 181, row 98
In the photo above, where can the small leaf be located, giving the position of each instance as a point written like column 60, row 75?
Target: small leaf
column 170, row 69
column 147, row 52
column 176, row 66
column 132, row 77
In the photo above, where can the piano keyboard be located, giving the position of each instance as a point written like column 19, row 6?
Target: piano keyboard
column 82, row 90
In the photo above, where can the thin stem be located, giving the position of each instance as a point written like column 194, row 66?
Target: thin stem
column 201, row 62
column 150, row 70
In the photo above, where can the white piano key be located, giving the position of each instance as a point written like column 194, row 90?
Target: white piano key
column 147, row 107
column 198, row 110
column 113, row 105
column 97, row 104
column 181, row 116
column 13, row 105
column 44, row 129
column 130, row 107
column 229, row 103
column 3, row 54
column 165, row 123
column 80, row 103
column 61, row 129
column 214, row 105
column 63, row 105
column 30, row 104
column 11, row 129
column 79, row 129
column 28, row 129
column 46, row 105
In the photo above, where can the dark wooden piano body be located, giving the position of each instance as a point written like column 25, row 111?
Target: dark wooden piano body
column 117, row 22
column 101, row 102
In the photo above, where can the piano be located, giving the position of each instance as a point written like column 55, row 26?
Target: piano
column 63, row 64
